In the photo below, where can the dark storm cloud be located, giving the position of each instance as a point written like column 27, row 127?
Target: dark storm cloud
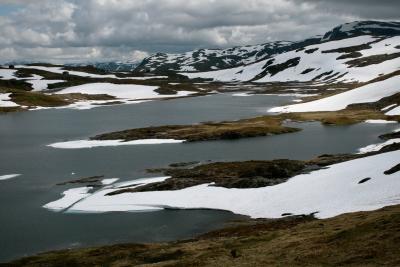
column 71, row 30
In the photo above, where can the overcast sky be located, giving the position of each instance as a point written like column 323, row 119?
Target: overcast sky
column 100, row 30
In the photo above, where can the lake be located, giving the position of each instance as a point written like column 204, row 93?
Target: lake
column 27, row 228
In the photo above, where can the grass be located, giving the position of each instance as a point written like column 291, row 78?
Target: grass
column 354, row 239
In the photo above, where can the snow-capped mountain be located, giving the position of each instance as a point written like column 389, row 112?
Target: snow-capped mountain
column 347, row 52
column 116, row 66
column 216, row 59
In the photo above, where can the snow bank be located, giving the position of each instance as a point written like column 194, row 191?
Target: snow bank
column 5, row 101
column 331, row 191
column 7, row 74
column 140, row 181
column 98, row 143
column 389, row 107
column 379, row 121
column 395, row 111
column 70, row 197
column 8, row 176
column 74, row 195
column 367, row 93
column 38, row 84
column 109, row 181
column 124, row 91
column 286, row 94
column 377, row 147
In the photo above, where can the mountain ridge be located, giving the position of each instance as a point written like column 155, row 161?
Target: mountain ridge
column 203, row 60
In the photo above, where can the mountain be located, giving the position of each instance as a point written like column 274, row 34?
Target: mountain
column 216, row 59
column 116, row 66
column 344, row 53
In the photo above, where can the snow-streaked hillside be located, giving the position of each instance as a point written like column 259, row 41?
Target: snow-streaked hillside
column 213, row 59
column 356, row 59
column 208, row 60
column 364, row 94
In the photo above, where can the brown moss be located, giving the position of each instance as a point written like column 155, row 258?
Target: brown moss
column 206, row 131
column 259, row 126
column 5, row 110
column 244, row 174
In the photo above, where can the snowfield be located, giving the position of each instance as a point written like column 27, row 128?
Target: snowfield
column 329, row 192
column 364, row 94
column 99, row 143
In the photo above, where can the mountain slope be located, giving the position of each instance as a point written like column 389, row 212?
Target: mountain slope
column 356, row 59
column 215, row 59
column 349, row 52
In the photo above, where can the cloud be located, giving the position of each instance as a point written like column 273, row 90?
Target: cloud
column 368, row 9
column 101, row 30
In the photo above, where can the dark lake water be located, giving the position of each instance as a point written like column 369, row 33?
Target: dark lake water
column 27, row 228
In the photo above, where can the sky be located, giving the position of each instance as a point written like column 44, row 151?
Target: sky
column 68, row 31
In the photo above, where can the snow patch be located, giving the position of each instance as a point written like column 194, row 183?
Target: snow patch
column 379, row 121
column 395, row 111
column 38, row 84
column 5, row 101
column 99, row 143
column 8, row 176
column 7, row 74
column 389, row 107
column 109, row 181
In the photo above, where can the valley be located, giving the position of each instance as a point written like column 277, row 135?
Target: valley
column 233, row 151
